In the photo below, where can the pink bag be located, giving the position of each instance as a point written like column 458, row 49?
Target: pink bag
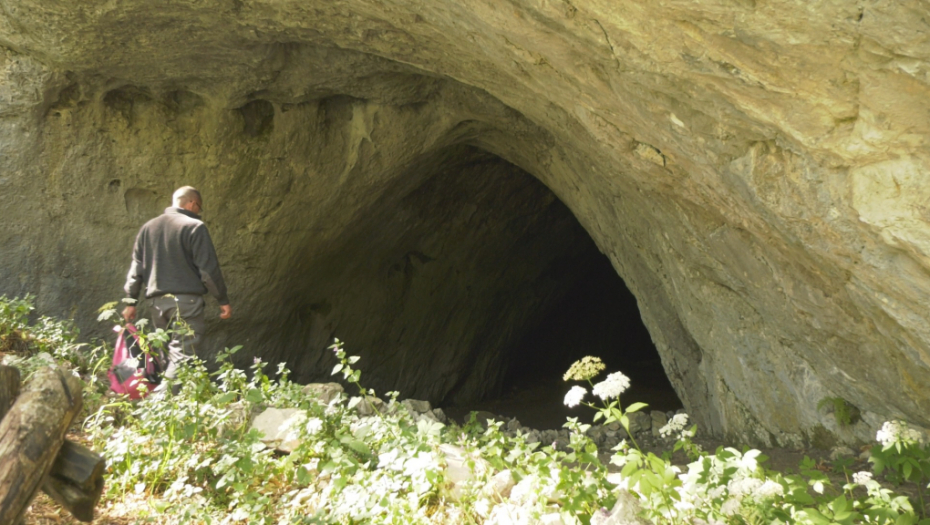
column 132, row 367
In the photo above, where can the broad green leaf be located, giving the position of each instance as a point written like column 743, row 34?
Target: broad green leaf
column 356, row 445
column 226, row 398
column 635, row 407
column 254, row 395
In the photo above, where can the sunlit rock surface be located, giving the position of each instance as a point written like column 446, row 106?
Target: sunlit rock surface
column 755, row 170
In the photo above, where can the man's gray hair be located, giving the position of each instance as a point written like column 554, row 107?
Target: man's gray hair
column 185, row 194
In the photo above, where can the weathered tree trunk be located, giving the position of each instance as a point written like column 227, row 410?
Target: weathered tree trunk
column 9, row 388
column 31, row 435
column 76, row 480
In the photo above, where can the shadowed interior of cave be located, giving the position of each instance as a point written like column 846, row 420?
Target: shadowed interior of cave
column 599, row 317
column 461, row 274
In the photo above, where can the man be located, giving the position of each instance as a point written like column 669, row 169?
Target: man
column 174, row 257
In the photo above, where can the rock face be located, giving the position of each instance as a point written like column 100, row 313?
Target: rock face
column 753, row 169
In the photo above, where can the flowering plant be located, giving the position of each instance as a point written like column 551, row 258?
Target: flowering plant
column 608, row 390
column 192, row 457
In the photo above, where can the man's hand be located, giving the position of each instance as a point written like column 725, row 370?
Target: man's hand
column 225, row 311
column 129, row 313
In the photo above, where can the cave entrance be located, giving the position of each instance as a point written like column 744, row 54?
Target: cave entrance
column 469, row 284
column 599, row 317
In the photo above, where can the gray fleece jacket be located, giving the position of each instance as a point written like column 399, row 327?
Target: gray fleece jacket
column 174, row 254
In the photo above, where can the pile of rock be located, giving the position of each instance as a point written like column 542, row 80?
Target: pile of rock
column 644, row 427
column 276, row 423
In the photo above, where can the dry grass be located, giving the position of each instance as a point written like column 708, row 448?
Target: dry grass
column 45, row 511
column 13, row 343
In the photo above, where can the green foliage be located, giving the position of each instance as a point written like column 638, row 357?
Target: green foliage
column 49, row 341
column 845, row 413
column 14, row 314
column 192, row 458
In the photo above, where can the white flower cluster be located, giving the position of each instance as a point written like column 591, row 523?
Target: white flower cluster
column 674, row 425
column 314, row 425
column 730, row 479
column 897, row 432
column 743, row 486
column 730, row 506
column 611, row 388
column 574, row 396
column 862, row 478
column 769, row 489
column 533, row 487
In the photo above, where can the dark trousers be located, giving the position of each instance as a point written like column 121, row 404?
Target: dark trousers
column 171, row 312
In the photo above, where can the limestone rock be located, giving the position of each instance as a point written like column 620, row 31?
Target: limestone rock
column 624, row 512
column 440, row 415
column 458, row 472
column 238, row 416
column 658, row 421
column 416, row 406
column 426, row 416
column 325, row 392
column 483, row 418
column 279, row 427
column 640, row 422
column 367, row 406
column 501, row 483
column 756, row 176
column 841, row 452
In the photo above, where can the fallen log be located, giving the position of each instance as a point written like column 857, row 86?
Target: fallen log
column 9, row 388
column 75, row 480
column 31, row 435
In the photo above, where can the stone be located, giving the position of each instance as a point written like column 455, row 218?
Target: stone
column 279, row 427
column 440, row 415
column 659, row 420
column 841, row 452
column 368, row 406
column 417, row 407
column 756, row 176
column 501, row 483
column 483, row 418
column 238, row 416
column 458, row 472
column 325, row 392
column 426, row 416
column 639, row 422
column 625, row 511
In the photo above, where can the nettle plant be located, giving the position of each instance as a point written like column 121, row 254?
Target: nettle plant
column 30, row 345
column 193, row 458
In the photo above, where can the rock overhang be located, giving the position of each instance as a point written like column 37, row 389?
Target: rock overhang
column 734, row 163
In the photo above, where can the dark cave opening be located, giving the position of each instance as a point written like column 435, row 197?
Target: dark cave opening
column 596, row 315
column 469, row 284
column 599, row 317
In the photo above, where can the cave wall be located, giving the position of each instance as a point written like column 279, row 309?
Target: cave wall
column 753, row 169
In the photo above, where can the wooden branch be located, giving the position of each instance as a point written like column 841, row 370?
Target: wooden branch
column 9, row 388
column 76, row 480
column 31, row 435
